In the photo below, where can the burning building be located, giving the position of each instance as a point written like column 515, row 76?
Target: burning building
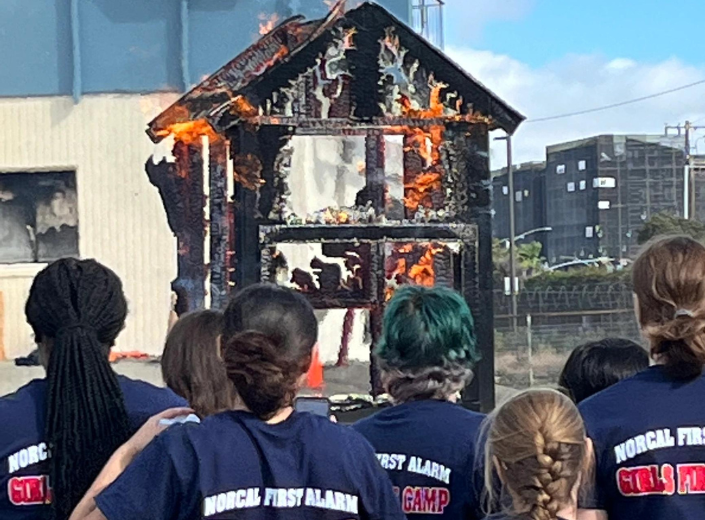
column 341, row 157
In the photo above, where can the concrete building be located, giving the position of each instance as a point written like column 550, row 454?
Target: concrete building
column 80, row 80
column 529, row 201
column 596, row 193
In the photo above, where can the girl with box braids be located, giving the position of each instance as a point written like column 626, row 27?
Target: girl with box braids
column 76, row 309
column 536, row 445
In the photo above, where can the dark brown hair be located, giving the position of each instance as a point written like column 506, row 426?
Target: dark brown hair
column 669, row 282
column 191, row 365
column 600, row 364
column 268, row 339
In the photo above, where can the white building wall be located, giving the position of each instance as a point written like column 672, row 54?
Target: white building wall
column 122, row 222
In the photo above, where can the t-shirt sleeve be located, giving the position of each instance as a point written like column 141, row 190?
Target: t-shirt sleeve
column 379, row 502
column 153, row 486
column 593, row 494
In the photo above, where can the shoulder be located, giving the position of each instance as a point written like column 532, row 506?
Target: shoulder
column 136, row 390
column 435, row 415
column 335, row 435
column 620, row 396
column 143, row 400
column 30, row 396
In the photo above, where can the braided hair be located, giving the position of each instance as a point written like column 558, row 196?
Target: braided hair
column 76, row 309
column 536, row 443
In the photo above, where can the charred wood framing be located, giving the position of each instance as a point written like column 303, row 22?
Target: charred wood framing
column 219, row 223
column 350, row 74
column 364, row 88
column 244, row 143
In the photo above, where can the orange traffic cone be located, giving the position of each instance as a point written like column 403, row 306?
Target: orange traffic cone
column 314, row 378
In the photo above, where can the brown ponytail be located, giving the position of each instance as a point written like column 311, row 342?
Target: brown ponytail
column 536, row 443
column 268, row 341
column 669, row 283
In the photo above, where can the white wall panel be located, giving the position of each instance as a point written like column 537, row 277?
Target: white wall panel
column 122, row 222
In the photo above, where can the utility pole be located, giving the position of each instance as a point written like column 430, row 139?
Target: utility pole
column 512, row 232
column 512, row 237
column 689, row 202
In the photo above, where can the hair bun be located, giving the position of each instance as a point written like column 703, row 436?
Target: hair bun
column 680, row 345
column 264, row 379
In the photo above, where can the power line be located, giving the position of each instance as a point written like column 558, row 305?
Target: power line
column 614, row 105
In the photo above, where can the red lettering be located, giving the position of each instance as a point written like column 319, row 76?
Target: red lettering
column 29, row 491
column 646, row 480
column 691, row 479
column 422, row 500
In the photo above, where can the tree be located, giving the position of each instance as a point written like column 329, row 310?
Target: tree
column 529, row 259
column 668, row 224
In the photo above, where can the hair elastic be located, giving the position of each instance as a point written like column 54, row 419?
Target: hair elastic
column 683, row 312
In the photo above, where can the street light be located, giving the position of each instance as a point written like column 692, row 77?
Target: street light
column 512, row 230
column 524, row 235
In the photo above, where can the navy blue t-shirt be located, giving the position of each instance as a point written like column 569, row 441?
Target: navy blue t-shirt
column 649, row 437
column 234, row 465
column 429, row 450
column 24, row 483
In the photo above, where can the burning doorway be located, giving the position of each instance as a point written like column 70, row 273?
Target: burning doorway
column 341, row 157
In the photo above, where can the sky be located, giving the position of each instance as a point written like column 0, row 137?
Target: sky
column 551, row 57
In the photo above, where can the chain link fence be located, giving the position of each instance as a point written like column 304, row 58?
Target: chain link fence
column 552, row 322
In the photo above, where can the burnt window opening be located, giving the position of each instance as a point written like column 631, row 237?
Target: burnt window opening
column 38, row 217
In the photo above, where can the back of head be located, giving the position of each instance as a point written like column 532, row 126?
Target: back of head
column 428, row 344
column 76, row 309
column 669, row 283
column 191, row 364
column 598, row 365
column 268, row 339
column 536, row 443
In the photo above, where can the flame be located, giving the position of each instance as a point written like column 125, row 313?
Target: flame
column 241, row 107
column 268, row 23
column 426, row 142
column 190, row 132
column 422, row 273
column 418, row 193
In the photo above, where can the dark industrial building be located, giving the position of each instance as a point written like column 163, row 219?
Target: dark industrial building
column 596, row 193
column 530, row 200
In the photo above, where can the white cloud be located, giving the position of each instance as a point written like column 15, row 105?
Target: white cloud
column 579, row 82
column 466, row 19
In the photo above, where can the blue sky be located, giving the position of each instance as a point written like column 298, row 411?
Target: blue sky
column 646, row 30
column 548, row 57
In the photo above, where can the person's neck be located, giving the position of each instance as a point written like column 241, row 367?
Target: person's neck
column 282, row 414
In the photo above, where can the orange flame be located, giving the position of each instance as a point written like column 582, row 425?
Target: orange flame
column 421, row 273
column 268, row 23
column 241, row 107
column 190, row 132
column 418, row 193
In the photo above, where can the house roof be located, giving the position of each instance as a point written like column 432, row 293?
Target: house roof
column 292, row 47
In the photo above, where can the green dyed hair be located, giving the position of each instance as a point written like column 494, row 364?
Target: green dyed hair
column 427, row 328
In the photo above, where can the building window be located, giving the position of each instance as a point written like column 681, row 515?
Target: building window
column 604, row 182
column 526, row 193
column 589, row 232
column 38, row 216
column 571, row 187
column 517, row 196
column 582, row 166
column 505, row 190
column 583, row 185
column 603, row 204
column 560, row 169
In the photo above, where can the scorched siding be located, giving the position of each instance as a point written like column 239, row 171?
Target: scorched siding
column 121, row 218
